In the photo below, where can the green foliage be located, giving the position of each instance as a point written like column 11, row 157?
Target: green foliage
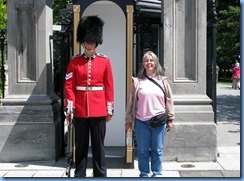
column 222, row 4
column 57, row 6
column 3, row 14
column 58, row 43
column 228, row 34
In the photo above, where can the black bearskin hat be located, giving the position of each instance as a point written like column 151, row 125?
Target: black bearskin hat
column 90, row 29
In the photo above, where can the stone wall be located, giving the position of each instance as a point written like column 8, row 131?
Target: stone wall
column 194, row 137
column 30, row 115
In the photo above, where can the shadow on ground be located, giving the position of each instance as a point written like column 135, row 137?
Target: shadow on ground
column 228, row 108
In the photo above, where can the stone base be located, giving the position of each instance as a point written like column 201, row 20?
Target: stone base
column 30, row 132
column 194, row 136
column 191, row 142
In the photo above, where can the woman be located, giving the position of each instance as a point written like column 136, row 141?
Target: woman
column 145, row 101
column 236, row 76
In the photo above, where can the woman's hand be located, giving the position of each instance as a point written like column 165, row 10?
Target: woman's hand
column 169, row 126
column 128, row 126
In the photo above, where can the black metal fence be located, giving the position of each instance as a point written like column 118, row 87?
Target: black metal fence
column 62, row 53
column 3, row 53
column 211, row 54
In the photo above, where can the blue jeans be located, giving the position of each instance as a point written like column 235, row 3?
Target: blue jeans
column 150, row 142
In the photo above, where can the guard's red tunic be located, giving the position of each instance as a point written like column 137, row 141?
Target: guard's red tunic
column 95, row 71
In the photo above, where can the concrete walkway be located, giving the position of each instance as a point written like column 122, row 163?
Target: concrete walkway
column 227, row 165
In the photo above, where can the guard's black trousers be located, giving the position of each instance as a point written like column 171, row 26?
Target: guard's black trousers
column 97, row 129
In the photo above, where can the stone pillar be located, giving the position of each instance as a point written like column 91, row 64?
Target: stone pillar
column 194, row 137
column 30, row 115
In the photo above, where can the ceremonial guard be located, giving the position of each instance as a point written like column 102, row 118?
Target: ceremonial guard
column 89, row 90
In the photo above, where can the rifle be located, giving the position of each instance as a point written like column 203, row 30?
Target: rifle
column 70, row 139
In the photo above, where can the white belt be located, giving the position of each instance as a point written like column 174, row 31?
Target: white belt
column 89, row 88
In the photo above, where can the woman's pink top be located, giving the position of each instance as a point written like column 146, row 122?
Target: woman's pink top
column 236, row 72
column 150, row 100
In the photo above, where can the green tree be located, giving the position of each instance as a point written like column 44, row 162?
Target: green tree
column 58, row 43
column 57, row 6
column 3, row 14
column 228, row 35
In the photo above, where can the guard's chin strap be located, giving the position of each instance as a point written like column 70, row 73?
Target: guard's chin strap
column 89, row 52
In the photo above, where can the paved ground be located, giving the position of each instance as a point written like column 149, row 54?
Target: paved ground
column 227, row 165
column 228, row 116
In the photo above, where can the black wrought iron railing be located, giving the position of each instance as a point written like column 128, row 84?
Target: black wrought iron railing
column 3, row 60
